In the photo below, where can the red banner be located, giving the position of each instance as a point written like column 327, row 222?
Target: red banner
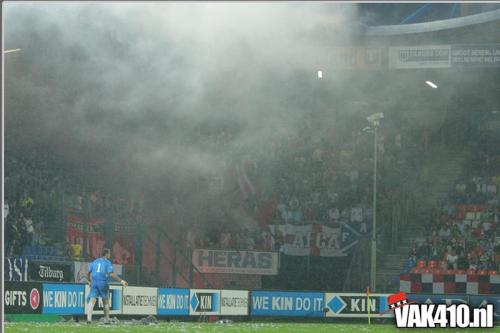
column 149, row 250
column 95, row 242
column 123, row 249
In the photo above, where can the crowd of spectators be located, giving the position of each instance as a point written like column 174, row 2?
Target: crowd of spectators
column 20, row 229
column 312, row 176
column 98, row 204
column 32, row 204
column 109, row 216
column 463, row 232
column 315, row 174
column 40, row 198
column 225, row 240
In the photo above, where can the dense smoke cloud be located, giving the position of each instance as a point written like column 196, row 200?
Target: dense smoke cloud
column 123, row 90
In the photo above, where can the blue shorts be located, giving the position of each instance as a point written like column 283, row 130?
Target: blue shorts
column 99, row 289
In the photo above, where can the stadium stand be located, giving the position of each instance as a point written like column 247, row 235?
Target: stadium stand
column 318, row 177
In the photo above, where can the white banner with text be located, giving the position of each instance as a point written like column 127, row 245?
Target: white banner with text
column 236, row 262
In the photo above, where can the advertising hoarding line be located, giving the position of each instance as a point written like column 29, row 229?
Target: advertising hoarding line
column 23, row 297
column 69, row 299
column 172, row 301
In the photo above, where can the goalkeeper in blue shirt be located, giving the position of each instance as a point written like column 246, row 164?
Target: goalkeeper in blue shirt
column 99, row 271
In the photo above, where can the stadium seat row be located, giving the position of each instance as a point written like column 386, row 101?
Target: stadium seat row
column 40, row 250
column 438, row 270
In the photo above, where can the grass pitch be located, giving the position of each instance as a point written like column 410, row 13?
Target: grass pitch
column 218, row 328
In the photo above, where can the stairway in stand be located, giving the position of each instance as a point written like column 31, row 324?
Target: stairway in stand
column 390, row 263
column 445, row 168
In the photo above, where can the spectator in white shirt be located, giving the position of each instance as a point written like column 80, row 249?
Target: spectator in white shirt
column 30, row 230
column 452, row 260
column 487, row 225
column 444, row 232
column 5, row 211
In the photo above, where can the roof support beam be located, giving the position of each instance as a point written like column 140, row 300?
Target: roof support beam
column 425, row 8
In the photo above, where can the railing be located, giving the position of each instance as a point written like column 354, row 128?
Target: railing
column 163, row 235
column 357, row 277
column 395, row 217
column 160, row 253
column 186, row 259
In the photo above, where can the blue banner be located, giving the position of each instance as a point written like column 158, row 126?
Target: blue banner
column 480, row 301
column 116, row 299
column 64, row 299
column 173, row 301
column 383, row 307
column 291, row 304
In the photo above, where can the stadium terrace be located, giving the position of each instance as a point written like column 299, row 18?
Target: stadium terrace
column 280, row 164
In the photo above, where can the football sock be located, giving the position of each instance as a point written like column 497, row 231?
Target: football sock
column 90, row 307
column 106, row 312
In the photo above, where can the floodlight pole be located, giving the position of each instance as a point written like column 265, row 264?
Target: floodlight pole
column 373, row 265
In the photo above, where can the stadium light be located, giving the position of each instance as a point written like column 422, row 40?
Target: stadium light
column 11, row 50
column 320, row 74
column 374, row 121
column 431, row 84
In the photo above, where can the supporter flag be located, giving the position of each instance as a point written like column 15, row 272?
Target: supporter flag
column 315, row 239
column 75, row 234
column 123, row 248
column 246, row 186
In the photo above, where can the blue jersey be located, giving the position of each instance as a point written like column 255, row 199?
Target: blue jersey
column 100, row 269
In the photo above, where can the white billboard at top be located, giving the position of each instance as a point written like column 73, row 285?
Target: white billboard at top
column 432, row 56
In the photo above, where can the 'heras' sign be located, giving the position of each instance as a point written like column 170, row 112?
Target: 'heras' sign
column 237, row 262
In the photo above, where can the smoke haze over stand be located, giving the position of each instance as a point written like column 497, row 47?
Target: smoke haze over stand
column 126, row 95
column 119, row 92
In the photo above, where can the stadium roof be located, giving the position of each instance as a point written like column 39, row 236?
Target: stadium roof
column 434, row 26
